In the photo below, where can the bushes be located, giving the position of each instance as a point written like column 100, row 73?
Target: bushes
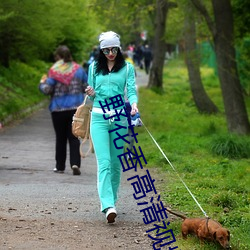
column 231, row 146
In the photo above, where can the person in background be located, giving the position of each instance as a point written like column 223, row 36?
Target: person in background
column 147, row 54
column 138, row 53
column 128, row 59
column 93, row 54
column 109, row 76
column 65, row 83
column 92, row 57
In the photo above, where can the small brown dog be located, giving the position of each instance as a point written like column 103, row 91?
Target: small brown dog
column 204, row 228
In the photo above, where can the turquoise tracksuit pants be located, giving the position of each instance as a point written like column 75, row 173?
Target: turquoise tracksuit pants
column 108, row 164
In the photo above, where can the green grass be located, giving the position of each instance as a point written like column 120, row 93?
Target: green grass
column 19, row 88
column 214, row 164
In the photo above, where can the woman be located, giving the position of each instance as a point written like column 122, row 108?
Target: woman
column 65, row 83
column 109, row 76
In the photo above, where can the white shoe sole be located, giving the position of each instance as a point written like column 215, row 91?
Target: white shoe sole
column 111, row 215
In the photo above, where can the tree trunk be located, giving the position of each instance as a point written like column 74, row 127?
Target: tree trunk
column 159, row 46
column 235, row 109
column 201, row 99
column 223, row 38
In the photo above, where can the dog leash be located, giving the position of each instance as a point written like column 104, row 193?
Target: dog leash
column 174, row 170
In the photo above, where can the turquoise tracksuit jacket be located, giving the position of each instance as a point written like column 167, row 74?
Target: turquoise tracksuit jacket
column 112, row 84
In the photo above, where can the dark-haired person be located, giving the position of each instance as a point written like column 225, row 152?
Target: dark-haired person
column 109, row 76
column 148, row 57
column 65, row 84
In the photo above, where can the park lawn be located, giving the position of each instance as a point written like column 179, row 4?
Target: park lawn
column 219, row 183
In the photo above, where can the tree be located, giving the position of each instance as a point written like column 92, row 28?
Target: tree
column 23, row 33
column 28, row 33
column 159, row 44
column 128, row 18
column 223, row 38
column 201, row 99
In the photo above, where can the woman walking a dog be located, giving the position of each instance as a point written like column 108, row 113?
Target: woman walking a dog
column 109, row 76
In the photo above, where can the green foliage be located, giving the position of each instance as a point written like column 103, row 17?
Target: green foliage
column 175, row 24
column 128, row 18
column 219, row 183
column 241, row 17
column 19, row 87
column 29, row 33
column 224, row 200
column 231, row 146
column 243, row 59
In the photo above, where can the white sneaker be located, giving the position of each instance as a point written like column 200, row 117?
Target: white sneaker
column 111, row 214
column 58, row 171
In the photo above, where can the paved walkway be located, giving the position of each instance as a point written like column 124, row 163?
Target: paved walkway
column 29, row 189
column 141, row 78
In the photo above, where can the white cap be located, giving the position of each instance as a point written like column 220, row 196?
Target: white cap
column 109, row 39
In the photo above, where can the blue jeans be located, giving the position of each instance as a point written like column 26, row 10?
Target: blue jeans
column 108, row 164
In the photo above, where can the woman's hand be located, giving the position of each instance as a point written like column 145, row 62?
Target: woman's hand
column 90, row 91
column 134, row 109
column 43, row 79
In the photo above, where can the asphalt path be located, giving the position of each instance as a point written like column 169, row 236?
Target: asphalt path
column 31, row 190
column 26, row 164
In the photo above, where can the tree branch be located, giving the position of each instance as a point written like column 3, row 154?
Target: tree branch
column 202, row 9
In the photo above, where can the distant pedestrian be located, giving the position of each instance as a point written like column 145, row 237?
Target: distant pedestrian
column 93, row 56
column 128, row 59
column 65, row 84
column 147, row 55
column 107, row 78
column 138, row 55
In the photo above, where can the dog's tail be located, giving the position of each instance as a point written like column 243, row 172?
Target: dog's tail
column 175, row 213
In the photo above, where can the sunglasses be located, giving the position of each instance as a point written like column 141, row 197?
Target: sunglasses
column 106, row 51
